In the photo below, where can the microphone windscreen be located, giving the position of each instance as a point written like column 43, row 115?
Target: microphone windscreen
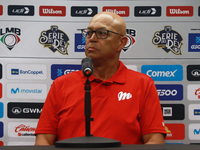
column 87, row 66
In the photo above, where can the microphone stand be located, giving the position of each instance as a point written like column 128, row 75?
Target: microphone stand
column 89, row 141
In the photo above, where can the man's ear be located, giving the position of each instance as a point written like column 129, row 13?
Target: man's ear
column 123, row 42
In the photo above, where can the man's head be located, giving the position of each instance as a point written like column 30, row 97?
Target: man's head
column 106, row 36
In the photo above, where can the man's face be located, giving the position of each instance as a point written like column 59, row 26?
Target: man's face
column 102, row 48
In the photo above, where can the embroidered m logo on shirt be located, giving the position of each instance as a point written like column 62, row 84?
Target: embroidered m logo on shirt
column 124, row 96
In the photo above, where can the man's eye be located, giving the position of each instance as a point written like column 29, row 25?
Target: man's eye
column 89, row 32
column 102, row 32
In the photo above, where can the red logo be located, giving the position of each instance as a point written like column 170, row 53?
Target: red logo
column 122, row 11
column 179, row 11
column 197, row 92
column 1, row 143
column 24, row 128
column 1, row 90
column 1, row 10
column 52, row 11
column 175, row 131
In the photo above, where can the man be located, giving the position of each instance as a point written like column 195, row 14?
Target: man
column 125, row 104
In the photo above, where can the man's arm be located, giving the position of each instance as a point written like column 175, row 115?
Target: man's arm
column 45, row 139
column 153, row 138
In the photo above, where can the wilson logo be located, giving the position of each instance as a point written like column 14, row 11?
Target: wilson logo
column 121, row 11
column 124, row 95
column 52, row 11
column 177, row 11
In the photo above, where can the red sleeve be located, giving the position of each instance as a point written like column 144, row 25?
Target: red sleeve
column 48, row 122
column 151, row 118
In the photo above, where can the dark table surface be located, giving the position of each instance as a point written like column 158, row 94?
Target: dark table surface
column 123, row 147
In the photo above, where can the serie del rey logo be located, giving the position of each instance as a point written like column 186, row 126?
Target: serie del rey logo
column 10, row 37
column 55, row 40
column 169, row 40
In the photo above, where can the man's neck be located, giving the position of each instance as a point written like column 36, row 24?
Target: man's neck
column 106, row 70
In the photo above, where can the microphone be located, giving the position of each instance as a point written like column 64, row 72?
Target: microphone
column 87, row 66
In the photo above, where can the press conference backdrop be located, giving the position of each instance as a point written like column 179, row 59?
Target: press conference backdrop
column 39, row 41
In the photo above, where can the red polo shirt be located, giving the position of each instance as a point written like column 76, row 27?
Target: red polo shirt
column 124, row 107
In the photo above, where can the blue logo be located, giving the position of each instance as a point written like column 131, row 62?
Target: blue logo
column 1, row 110
column 196, row 112
column 194, row 42
column 163, row 72
column 59, row 70
column 14, row 71
column 1, row 129
column 79, row 43
column 170, row 91
column 14, row 91
column 196, row 131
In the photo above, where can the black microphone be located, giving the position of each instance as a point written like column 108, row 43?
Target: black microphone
column 87, row 66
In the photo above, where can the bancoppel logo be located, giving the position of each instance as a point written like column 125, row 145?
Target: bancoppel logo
column 173, row 111
column 193, row 113
column 169, row 40
column 20, row 10
column 147, row 11
column 194, row 42
column 83, row 11
column 130, row 34
column 22, row 129
column 10, row 37
column 26, row 71
column 175, row 131
column 170, row 91
column 1, row 129
column 55, row 40
column 79, row 43
column 1, row 10
column 62, row 69
column 163, row 72
column 24, row 110
column 1, row 110
column 122, row 11
column 52, row 11
column 194, row 131
column 193, row 92
column 179, row 11
column 193, row 72
column 26, row 91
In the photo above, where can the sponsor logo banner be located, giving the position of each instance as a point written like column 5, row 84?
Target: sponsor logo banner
column 10, row 36
column 193, row 92
column 175, row 131
column 164, row 72
column 169, row 40
column 20, row 10
column 194, row 42
column 83, row 11
column 62, row 69
column 173, row 111
column 24, row 110
column 122, row 11
column 147, row 11
column 22, row 129
column 1, row 110
column 194, row 111
column 79, row 43
column 193, row 72
column 52, row 11
column 1, row 129
column 26, row 91
column 1, row 71
column 194, row 131
column 1, row 10
column 170, row 91
column 55, row 40
column 179, row 11
column 27, row 71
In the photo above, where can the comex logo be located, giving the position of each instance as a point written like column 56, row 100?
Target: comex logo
column 124, row 95
column 10, row 37
column 152, row 73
